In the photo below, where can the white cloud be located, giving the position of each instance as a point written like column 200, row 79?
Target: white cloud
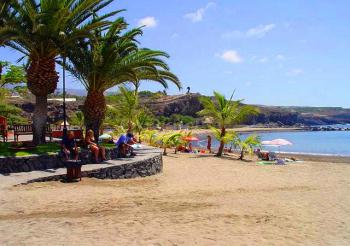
column 198, row 15
column 148, row 21
column 255, row 32
column 264, row 60
column 280, row 57
column 260, row 31
column 295, row 72
column 231, row 56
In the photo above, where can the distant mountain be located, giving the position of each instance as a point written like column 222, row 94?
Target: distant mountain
column 189, row 104
column 290, row 116
column 71, row 91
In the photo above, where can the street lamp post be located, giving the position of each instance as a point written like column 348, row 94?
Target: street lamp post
column 64, row 98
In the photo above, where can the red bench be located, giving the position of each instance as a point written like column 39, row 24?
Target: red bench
column 3, row 128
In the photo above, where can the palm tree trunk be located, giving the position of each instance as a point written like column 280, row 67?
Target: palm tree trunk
column 129, row 126
column 164, row 152
column 222, row 144
column 40, row 120
column 241, row 155
column 140, row 140
column 42, row 80
column 94, row 111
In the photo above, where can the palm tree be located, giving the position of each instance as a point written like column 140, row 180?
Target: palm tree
column 3, row 65
column 169, row 140
column 225, row 113
column 113, row 58
column 128, row 106
column 77, row 120
column 150, row 136
column 42, row 31
column 229, row 135
column 247, row 145
column 143, row 120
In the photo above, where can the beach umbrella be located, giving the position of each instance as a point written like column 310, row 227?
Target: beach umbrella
column 190, row 138
column 281, row 142
column 277, row 142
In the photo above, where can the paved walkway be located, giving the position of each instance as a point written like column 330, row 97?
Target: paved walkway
column 12, row 179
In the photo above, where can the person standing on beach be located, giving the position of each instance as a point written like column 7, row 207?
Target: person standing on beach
column 209, row 143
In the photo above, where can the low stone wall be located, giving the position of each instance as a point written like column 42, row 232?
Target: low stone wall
column 44, row 162
column 146, row 167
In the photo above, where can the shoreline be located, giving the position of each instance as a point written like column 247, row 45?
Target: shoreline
column 244, row 130
column 309, row 157
column 317, row 157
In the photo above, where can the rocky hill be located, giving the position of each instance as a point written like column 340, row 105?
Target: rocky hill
column 190, row 105
column 162, row 105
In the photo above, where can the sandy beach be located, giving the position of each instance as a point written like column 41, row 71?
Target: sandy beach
column 195, row 201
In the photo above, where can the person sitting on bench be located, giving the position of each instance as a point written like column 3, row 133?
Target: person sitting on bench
column 124, row 145
column 94, row 148
column 69, row 146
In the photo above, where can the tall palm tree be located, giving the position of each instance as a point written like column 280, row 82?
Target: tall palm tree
column 225, row 113
column 41, row 31
column 113, row 58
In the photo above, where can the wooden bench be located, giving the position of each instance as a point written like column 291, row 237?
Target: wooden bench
column 19, row 130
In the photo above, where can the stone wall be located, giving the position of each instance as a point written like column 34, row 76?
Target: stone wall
column 44, row 162
column 147, row 167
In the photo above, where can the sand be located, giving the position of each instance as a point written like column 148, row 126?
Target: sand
column 196, row 201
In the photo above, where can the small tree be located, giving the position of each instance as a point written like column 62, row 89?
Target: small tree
column 225, row 112
column 143, row 120
column 247, row 145
column 177, row 142
column 77, row 119
column 150, row 136
column 128, row 105
column 168, row 140
column 229, row 135
column 11, row 112
column 14, row 75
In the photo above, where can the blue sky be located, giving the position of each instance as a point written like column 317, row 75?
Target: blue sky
column 290, row 52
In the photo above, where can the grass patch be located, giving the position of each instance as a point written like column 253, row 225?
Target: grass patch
column 49, row 148
column 108, row 145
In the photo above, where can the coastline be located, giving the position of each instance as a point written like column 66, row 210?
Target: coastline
column 302, row 157
column 317, row 157
column 244, row 130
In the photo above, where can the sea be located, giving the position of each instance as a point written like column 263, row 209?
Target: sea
column 328, row 143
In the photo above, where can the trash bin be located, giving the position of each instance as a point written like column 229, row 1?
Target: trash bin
column 73, row 170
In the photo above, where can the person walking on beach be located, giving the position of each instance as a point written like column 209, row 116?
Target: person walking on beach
column 209, row 143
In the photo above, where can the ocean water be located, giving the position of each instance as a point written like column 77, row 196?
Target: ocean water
column 318, row 142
